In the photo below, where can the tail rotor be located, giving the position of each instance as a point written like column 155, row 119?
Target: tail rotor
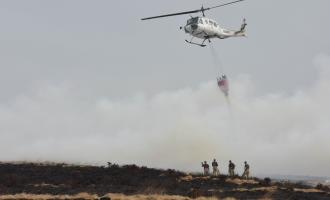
column 243, row 26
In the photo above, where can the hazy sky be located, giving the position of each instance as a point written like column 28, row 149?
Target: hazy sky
column 87, row 81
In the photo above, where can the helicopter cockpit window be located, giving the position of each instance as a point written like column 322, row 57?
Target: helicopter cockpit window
column 192, row 21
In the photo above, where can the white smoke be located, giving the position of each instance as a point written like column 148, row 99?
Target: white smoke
column 276, row 133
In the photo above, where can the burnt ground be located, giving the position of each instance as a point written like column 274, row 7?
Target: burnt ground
column 60, row 179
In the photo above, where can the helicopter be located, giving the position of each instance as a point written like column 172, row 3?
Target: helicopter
column 205, row 28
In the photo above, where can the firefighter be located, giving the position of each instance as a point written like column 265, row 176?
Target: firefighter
column 206, row 168
column 215, row 168
column 246, row 172
column 231, row 169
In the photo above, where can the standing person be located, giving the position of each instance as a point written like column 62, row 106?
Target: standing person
column 206, row 168
column 246, row 172
column 215, row 168
column 231, row 169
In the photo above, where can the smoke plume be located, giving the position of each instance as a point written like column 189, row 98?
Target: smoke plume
column 276, row 133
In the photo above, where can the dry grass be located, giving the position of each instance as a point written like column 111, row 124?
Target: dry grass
column 191, row 178
column 266, row 189
column 155, row 197
column 48, row 197
column 186, row 178
column 86, row 196
column 308, row 190
column 241, row 181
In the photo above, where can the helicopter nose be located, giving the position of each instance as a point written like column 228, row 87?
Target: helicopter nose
column 186, row 29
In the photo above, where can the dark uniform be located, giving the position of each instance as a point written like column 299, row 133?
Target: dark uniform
column 215, row 168
column 246, row 172
column 231, row 169
column 206, row 168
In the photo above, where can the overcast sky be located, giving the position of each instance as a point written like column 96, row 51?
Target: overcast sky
column 87, row 81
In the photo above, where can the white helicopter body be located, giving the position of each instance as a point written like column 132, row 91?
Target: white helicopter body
column 205, row 28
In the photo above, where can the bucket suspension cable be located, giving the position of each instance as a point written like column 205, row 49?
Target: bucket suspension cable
column 218, row 65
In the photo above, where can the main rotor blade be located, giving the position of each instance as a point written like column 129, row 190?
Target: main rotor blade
column 173, row 14
column 226, row 4
column 193, row 11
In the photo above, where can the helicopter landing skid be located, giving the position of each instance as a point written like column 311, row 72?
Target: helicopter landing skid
column 201, row 45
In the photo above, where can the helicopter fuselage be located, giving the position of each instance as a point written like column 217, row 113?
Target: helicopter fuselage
column 205, row 28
